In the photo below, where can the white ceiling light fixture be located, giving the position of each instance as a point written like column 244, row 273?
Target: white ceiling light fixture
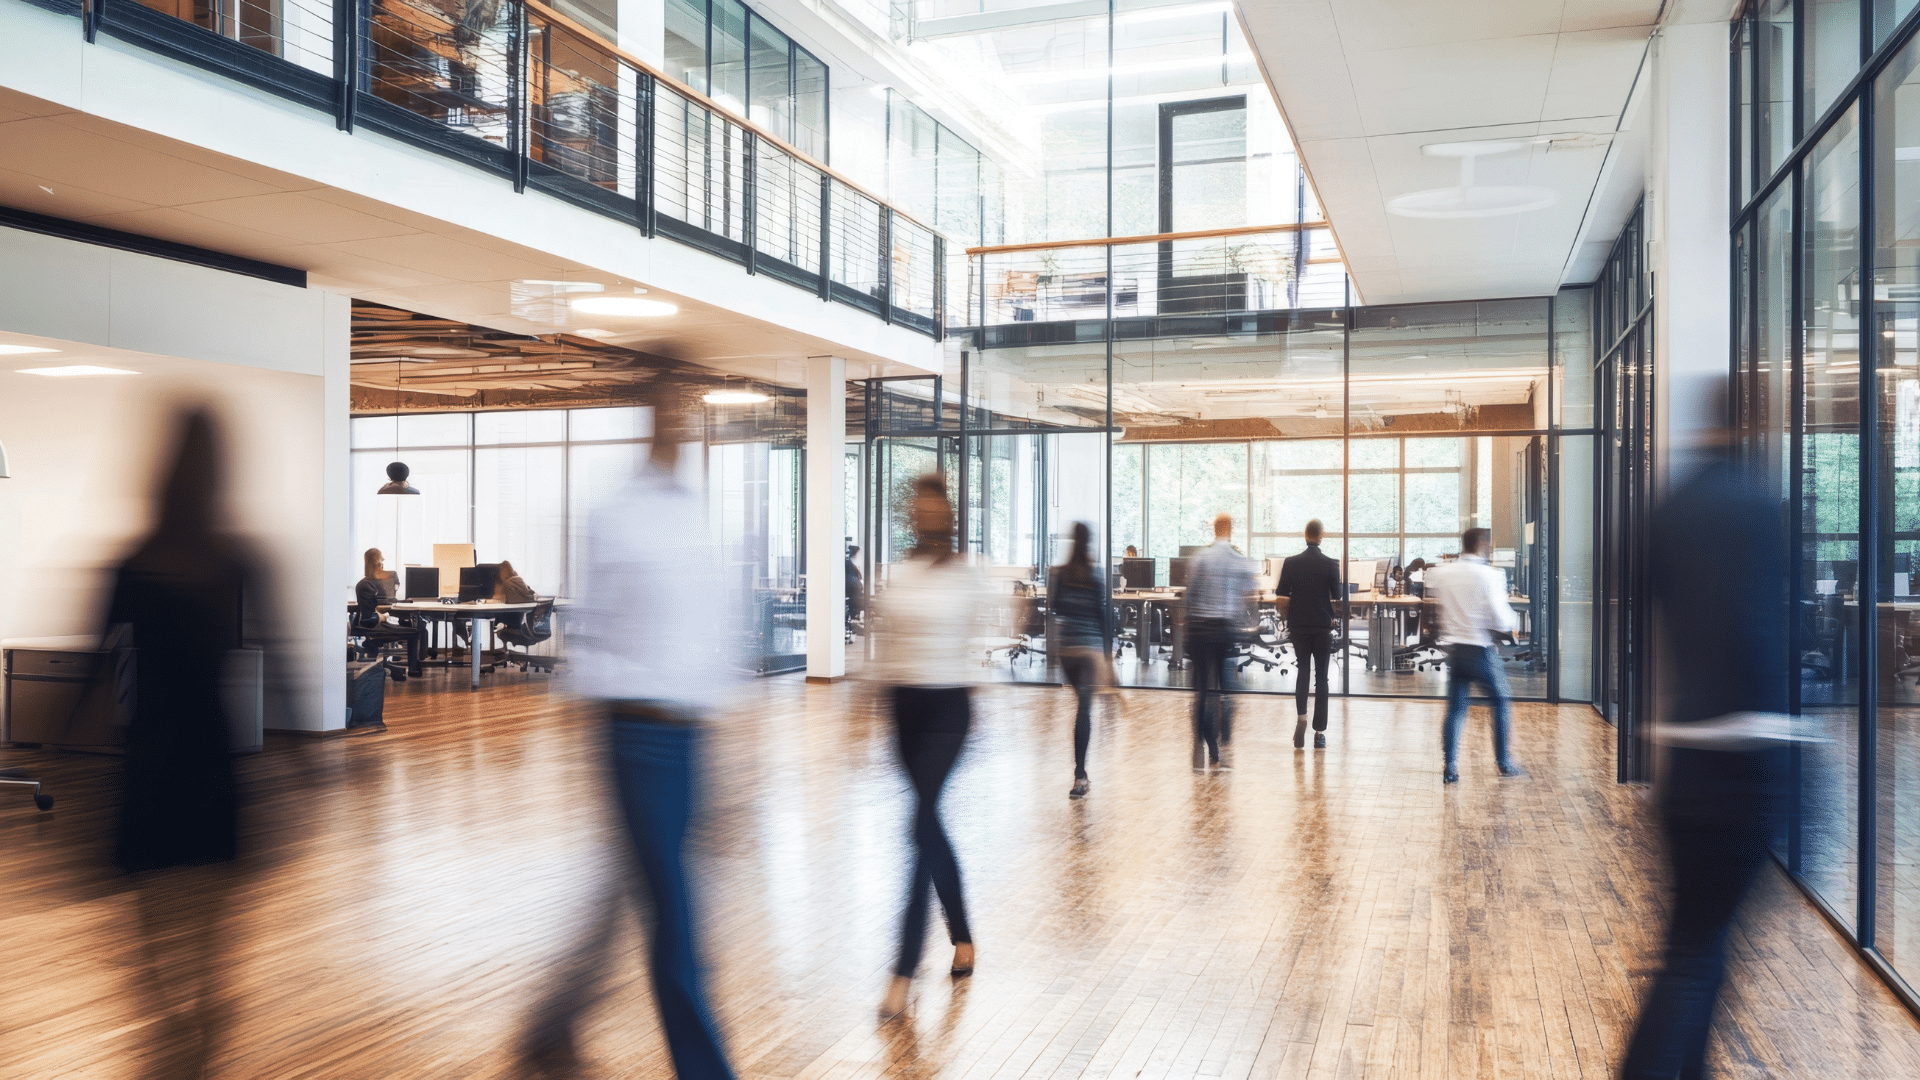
column 74, row 370
column 623, row 307
column 22, row 350
column 1470, row 200
column 733, row 397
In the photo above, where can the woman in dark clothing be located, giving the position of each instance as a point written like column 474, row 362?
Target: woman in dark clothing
column 179, row 597
column 1082, row 623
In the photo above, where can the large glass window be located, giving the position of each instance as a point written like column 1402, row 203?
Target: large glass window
column 1832, row 50
column 1773, row 56
column 1829, row 547
column 1896, row 254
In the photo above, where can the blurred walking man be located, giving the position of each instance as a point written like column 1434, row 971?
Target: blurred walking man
column 1219, row 585
column 1472, row 600
column 646, row 645
column 1310, row 587
column 1719, row 561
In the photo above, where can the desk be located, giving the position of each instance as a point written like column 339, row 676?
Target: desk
column 482, row 615
column 1148, row 599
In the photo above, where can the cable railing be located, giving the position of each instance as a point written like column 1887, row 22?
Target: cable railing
column 520, row 90
column 1218, row 272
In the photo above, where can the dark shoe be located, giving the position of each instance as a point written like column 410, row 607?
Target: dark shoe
column 1450, row 777
column 1300, row 734
column 1080, row 787
column 1319, row 740
column 962, row 964
column 1513, row 771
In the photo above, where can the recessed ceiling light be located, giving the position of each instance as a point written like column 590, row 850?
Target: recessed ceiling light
column 626, row 307
column 733, row 397
column 563, row 286
column 18, row 350
column 593, row 332
column 77, row 369
column 46, row 189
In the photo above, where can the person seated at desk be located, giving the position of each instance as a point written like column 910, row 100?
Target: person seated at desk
column 856, row 585
column 510, row 588
column 369, row 624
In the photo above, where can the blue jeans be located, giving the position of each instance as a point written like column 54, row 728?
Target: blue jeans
column 1466, row 665
column 653, row 770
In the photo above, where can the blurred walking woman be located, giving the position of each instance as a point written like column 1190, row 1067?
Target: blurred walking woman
column 1078, row 602
column 929, row 607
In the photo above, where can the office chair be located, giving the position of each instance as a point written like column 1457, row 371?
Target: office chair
column 1824, row 633
column 367, row 643
column 1262, row 645
column 530, row 631
column 19, row 776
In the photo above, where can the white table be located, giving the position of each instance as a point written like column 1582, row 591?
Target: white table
column 481, row 612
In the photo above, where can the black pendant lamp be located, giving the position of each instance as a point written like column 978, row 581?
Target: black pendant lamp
column 397, row 472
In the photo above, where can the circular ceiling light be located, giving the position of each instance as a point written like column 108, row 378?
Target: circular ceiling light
column 1470, row 200
column 624, row 307
column 733, row 397
column 22, row 350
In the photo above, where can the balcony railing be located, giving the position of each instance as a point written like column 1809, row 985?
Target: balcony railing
column 517, row 89
column 1214, row 273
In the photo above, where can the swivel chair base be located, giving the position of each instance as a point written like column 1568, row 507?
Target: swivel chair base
column 19, row 776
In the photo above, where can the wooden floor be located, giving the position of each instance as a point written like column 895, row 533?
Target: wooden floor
column 404, row 898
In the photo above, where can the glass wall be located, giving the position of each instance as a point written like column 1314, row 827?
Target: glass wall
column 520, row 486
column 1823, row 265
column 1397, row 427
column 731, row 53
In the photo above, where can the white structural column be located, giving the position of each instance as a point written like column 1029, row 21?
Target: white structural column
column 826, row 517
column 336, row 574
column 1686, row 224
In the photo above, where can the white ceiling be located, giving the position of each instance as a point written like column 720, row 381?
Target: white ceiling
column 1366, row 83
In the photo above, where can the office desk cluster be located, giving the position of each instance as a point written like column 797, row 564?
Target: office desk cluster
column 481, row 615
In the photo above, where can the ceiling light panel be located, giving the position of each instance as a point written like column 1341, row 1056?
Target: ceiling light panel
column 73, row 370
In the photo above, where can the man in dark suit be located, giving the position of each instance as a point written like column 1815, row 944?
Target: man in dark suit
column 1310, row 584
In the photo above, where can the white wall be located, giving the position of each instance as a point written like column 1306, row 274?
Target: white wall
column 84, row 452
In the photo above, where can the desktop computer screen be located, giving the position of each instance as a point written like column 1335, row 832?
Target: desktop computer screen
column 1177, row 572
column 423, row 582
column 1138, row 572
column 478, row 582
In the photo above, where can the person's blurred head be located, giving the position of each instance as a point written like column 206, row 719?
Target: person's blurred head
column 1474, row 542
column 1315, row 531
column 1132, row 552
column 853, row 552
column 670, row 420
column 1222, row 526
column 1079, row 564
column 192, row 488
column 375, row 562
column 507, row 570
column 931, row 516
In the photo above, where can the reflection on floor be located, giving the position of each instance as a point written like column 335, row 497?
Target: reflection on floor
column 1331, row 913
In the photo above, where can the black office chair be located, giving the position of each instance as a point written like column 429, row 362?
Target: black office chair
column 528, row 632
column 380, row 643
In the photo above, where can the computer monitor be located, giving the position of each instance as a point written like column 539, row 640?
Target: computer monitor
column 1137, row 572
column 478, row 582
column 1382, row 572
column 423, row 582
column 1188, row 551
column 1177, row 572
column 1846, row 572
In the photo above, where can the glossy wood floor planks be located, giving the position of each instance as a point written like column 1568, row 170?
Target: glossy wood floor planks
column 405, row 897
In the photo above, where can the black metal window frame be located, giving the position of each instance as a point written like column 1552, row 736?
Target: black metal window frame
column 1746, row 79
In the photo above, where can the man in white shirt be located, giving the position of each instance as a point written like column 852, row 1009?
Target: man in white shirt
column 1471, row 597
column 647, row 647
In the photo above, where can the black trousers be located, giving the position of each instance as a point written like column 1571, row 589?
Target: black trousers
column 1717, row 815
column 1080, row 670
column 930, row 724
column 1311, row 652
column 1208, row 642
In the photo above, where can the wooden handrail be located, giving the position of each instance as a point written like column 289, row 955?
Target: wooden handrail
column 698, row 98
column 1151, row 238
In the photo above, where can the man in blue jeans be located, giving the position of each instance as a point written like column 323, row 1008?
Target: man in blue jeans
column 1471, row 597
column 643, row 639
